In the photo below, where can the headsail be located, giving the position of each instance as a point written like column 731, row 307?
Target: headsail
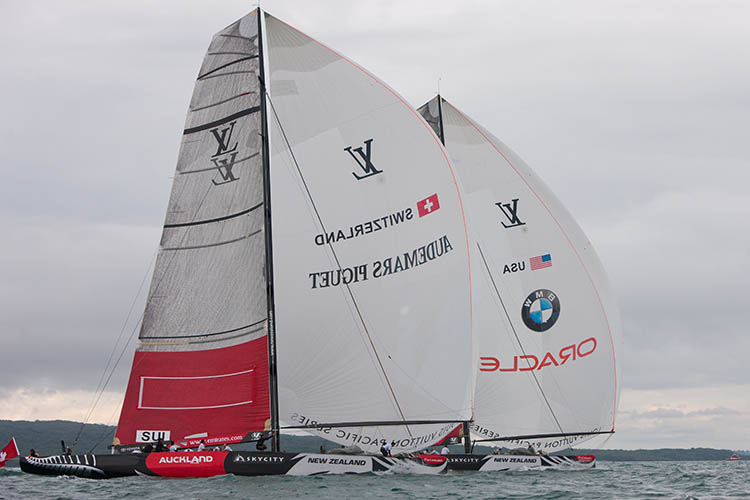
column 372, row 283
column 546, row 323
column 201, row 368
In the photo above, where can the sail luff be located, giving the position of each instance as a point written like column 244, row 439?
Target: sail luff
column 272, row 366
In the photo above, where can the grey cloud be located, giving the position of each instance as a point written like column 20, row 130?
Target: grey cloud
column 636, row 115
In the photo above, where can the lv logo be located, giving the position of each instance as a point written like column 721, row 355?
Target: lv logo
column 510, row 211
column 364, row 160
column 225, row 155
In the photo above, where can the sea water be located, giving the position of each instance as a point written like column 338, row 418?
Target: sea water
column 637, row 480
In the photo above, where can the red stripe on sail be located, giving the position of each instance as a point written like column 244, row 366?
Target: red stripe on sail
column 457, row 432
column 210, row 393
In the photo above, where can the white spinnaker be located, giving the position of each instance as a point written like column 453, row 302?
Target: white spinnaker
column 558, row 395
column 389, row 347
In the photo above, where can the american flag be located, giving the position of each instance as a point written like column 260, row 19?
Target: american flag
column 540, row 261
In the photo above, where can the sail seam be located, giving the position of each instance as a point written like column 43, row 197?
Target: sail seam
column 222, row 121
column 217, row 219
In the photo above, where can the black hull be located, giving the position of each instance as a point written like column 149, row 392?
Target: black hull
column 240, row 463
column 497, row 463
column 214, row 463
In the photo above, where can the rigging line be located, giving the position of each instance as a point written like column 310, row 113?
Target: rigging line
column 333, row 252
column 107, row 431
column 536, row 380
column 140, row 320
column 414, row 381
column 114, row 347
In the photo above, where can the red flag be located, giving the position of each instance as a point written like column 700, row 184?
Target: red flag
column 453, row 437
column 428, row 205
column 10, row 451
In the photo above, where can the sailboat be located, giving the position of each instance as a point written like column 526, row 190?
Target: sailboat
column 546, row 324
column 313, row 274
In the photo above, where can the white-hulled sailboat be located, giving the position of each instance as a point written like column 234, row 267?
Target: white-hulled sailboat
column 546, row 323
column 313, row 272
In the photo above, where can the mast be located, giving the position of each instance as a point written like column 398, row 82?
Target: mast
column 440, row 118
column 272, row 371
column 465, row 431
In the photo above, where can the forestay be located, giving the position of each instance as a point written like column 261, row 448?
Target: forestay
column 546, row 323
column 370, row 250
column 201, row 368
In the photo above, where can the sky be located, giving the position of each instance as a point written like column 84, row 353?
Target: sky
column 635, row 113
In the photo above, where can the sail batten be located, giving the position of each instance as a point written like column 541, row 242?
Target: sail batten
column 233, row 330
column 215, row 219
column 220, row 121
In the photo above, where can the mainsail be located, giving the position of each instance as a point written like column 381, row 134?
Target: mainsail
column 547, row 325
column 201, row 368
column 314, row 269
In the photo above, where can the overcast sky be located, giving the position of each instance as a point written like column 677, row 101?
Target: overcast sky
column 635, row 113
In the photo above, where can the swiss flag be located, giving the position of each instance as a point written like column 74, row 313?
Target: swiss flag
column 10, row 451
column 428, row 205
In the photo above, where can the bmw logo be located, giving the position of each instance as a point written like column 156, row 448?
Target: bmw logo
column 540, row 310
